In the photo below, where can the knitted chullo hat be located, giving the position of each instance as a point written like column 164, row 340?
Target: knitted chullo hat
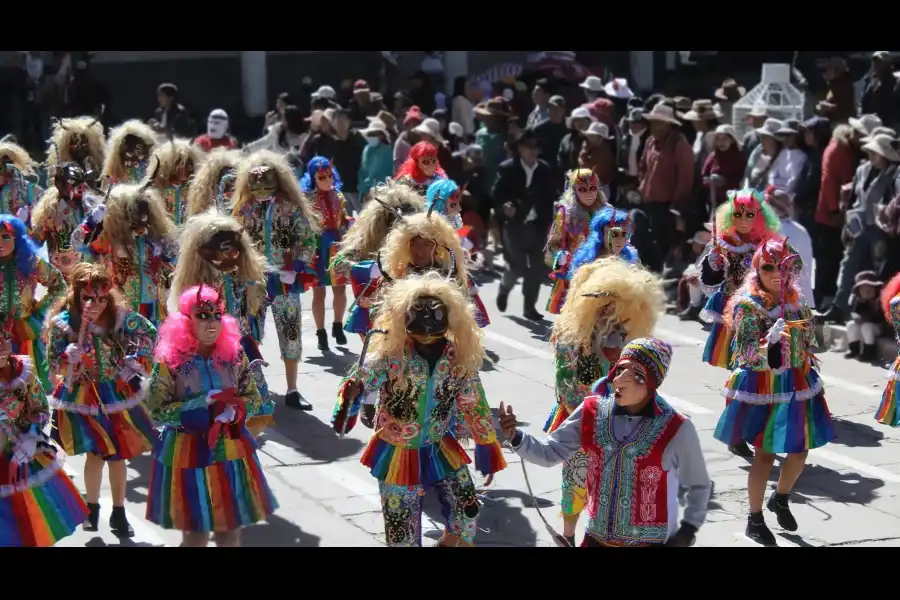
column 651, row 353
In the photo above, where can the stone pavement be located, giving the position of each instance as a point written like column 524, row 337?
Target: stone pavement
column 847, row 495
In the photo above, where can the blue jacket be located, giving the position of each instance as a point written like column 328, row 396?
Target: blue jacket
column 377, row 165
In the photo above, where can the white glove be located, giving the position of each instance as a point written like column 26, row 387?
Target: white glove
column 563, row 259
column 370, row 398
column 288, row 277
column 375, row 272
column 227, row 415
column 776, row 330
column 22, row 214
column 466, row 243
column 209, row 396
column 74, row 354
column 26, row 446
column 98, row 213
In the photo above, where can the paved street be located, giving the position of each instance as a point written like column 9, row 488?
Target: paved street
column 846, row 496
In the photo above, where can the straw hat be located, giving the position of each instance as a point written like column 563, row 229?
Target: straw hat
column 598, row 129
column 385, row 117
column 789, row 127
column 883, row 145
column 769, row 128
column 879, row 130
column 430, row 127
column 592, row 83
column 722, row 130
column 701, row 110
column 375, row 127
column 618, row 88
column 758, row 109
column 865, row 124
column 494, row 107
column 662, row 113
column 730, row 91
column 682, row 103
column 579, row 113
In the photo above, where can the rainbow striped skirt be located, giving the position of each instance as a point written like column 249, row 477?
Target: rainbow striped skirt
column 717, row 351
column 26, row 341
column 557, row 296
column 779, row 412
column 42, row 508
column 106, row 418
column 195, row 489
column 326, row 276
column 887, row 411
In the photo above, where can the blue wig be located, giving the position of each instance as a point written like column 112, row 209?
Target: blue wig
column 26, row 252
column 438, row 193
column 308, row 183
column 593, row 246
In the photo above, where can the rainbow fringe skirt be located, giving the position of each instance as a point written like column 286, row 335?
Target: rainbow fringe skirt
column 557, row 296
column 717, row 351
column 887, row 411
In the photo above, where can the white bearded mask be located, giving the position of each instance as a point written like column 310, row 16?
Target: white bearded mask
column 217, row 124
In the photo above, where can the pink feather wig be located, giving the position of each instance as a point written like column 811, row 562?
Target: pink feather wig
column 177, row 343
column 766, row 223
column 773, row 251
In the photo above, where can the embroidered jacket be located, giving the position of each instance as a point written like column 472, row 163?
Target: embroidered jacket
column 332, row 209
column 279, row 229
column 726, row 265
column 17, row 291
column 56, row 228
column 236, row 304
column 23, row 404
column 753, row 317
column 571, row 227
column 175, row 197
column 19, row 193
column 895, row 315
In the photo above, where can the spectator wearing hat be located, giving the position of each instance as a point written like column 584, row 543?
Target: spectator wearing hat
column 570, row 146
column 429, row 130
column 788, row 166
column 633, row 142
column 724, row 167
column 550, row 134
column 633, row 102
column 866, row 317
column 541, row 96
column 468, row 167
column 841, row 91
column 346, row 155
column 597, row 155
column 755, row 119
column 800, row 238
column 402, row 103
column 321, row 137
column 761, row 159
column 881, row 94
column 703, row 119
column 216, row 135
column 361, row 105
column 407, row 138
column 593, row 88
column 729, row 93
column 689, row 300
column 421, row 91
column 171, row 116
column 864, row 242
column 324, row 98
column 390, row 121
column 288, row 133
column 493, row 134
column 524, row 193
column 377, row 163
column 666, row 176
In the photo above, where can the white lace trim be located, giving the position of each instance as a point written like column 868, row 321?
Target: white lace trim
column 742, row 249
column 782, row 398
column 92, row 410
column 42, row 477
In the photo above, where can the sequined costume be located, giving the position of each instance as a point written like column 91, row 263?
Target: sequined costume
column 175, row 161
column 58, row 214
column 725, row 266
column 39, row 504
column 418, row 377
column 18, row 194
column 269, row 205
column 99, row 405
column 127, row 150
column 571, row 227
column 322, row 184
column 774, row 394
column 887, row 412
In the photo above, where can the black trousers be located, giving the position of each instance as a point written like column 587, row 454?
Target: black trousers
column 662, row 231
column 828, row 251
column 523, row 249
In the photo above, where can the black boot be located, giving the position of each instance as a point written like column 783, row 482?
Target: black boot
column 502, row 299
column 778, row 504
column 119, row 524
column 691, row 313
column 91, row 522
column 323, row 340
column 337, row 332
column 852, row 350
column 742, row 449
column 294, row 400
column 869, row 353
column 758, row 531
column 532, row 314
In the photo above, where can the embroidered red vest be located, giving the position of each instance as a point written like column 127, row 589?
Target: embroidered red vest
column 627, row 495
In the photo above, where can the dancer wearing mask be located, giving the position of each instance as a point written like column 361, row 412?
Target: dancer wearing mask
column 421, row 370
column 610, row 236
column 59, row 214
column 358, row 249
column 571, row 227
column 17, row 195
column 611, row 303
column 23, row 270
column 741, row 224
column 213, row 183
column 421, row 169
column 639, row 449
column 206, row 477
column 174, row 166
column 136, row 242
column 887, row 413
column 230, row 264
column 96, row 347
column 39, row 504
column 774, row 394
column 80, row 141
column 269, row 205
column 127, row 151
column 216, row 135
column 322, row 185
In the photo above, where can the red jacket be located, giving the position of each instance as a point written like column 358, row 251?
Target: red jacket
column 208, row 144
column 667, row 171
column 838, row 168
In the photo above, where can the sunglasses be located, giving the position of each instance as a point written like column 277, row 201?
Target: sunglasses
column 744, row 215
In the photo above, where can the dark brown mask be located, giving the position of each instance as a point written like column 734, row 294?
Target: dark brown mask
column 134, row 152
column 223, row 250
column 427, row 321
column 71, row 182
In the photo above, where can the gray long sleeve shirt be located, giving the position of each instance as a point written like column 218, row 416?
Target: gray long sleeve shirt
column 682, row 458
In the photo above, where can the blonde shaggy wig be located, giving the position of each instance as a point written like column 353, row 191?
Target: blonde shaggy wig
column 46, row 206
column 171, row 156
column 396, row 256
column 202, row 194
column 635, row 296
column 121, row 205
column 197, row 232
column 287, row 185
column 113, row 167
column 19, row 157
column 398, row 301
column 371, row 226
column 61, row 137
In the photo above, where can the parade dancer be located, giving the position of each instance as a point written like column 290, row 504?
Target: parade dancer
column 135, row 240
column 741, row 224
column 421, row 169
column 774, row 394
column 322, row 185
column 127, row 151
column 80, row 141
column 269, row 205
column 213, row 183
column 571, row 227
column 611, row 303
column 887, row 413
column 639, row 451
column 443, row 196
column 420, row 370
column 175, row 163
column 610, row 236
column 39, row 504
column 206, row 477
column 224, row 259
column 23, row 270
column 96, row 345
column 59, row 213
column 358, row 248
column 18, row 195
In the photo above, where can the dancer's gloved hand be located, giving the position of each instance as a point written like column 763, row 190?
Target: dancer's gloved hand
column 25, row 448
column 774, row 334
column 374, row 272
column 227, row 415
column 98, row 213
column 367, row 415
column 684, row 537
column 22, row 214
column 563, row 259
column 288, row 277
column 715, row 259
column 212, row 396
column 74, row 354
column 466, row 243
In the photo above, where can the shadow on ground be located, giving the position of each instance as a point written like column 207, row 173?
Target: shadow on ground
column 313, row 438
column 821, row 482
column 141, row 465
column 856, row 435
column 337, row 363
column 277, row 532
column 540, row 330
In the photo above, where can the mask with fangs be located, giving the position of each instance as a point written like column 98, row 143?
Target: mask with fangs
column 427, row 320
column 223, row 250
column 70, row 181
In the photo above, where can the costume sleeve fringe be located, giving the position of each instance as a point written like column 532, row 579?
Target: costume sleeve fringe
column 345, row 409
column 489, row 458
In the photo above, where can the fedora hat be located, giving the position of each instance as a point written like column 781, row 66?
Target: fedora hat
column 598, row 129
column 618, row 88
column 730, row 91
column 494, row 107
column 430, row 127
column 682, row 103
column 637, row 115
column 758, row 109
column 877, row 131
column 592, row 83
column 769, row 128
column 789, row 127
column 701, row 110
column 385, row 117
column 722, row 130
column 662, row 113
column 865, row 124
column 883, row 145
column 375, row 127
column 866, row 278
column 579, row 113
